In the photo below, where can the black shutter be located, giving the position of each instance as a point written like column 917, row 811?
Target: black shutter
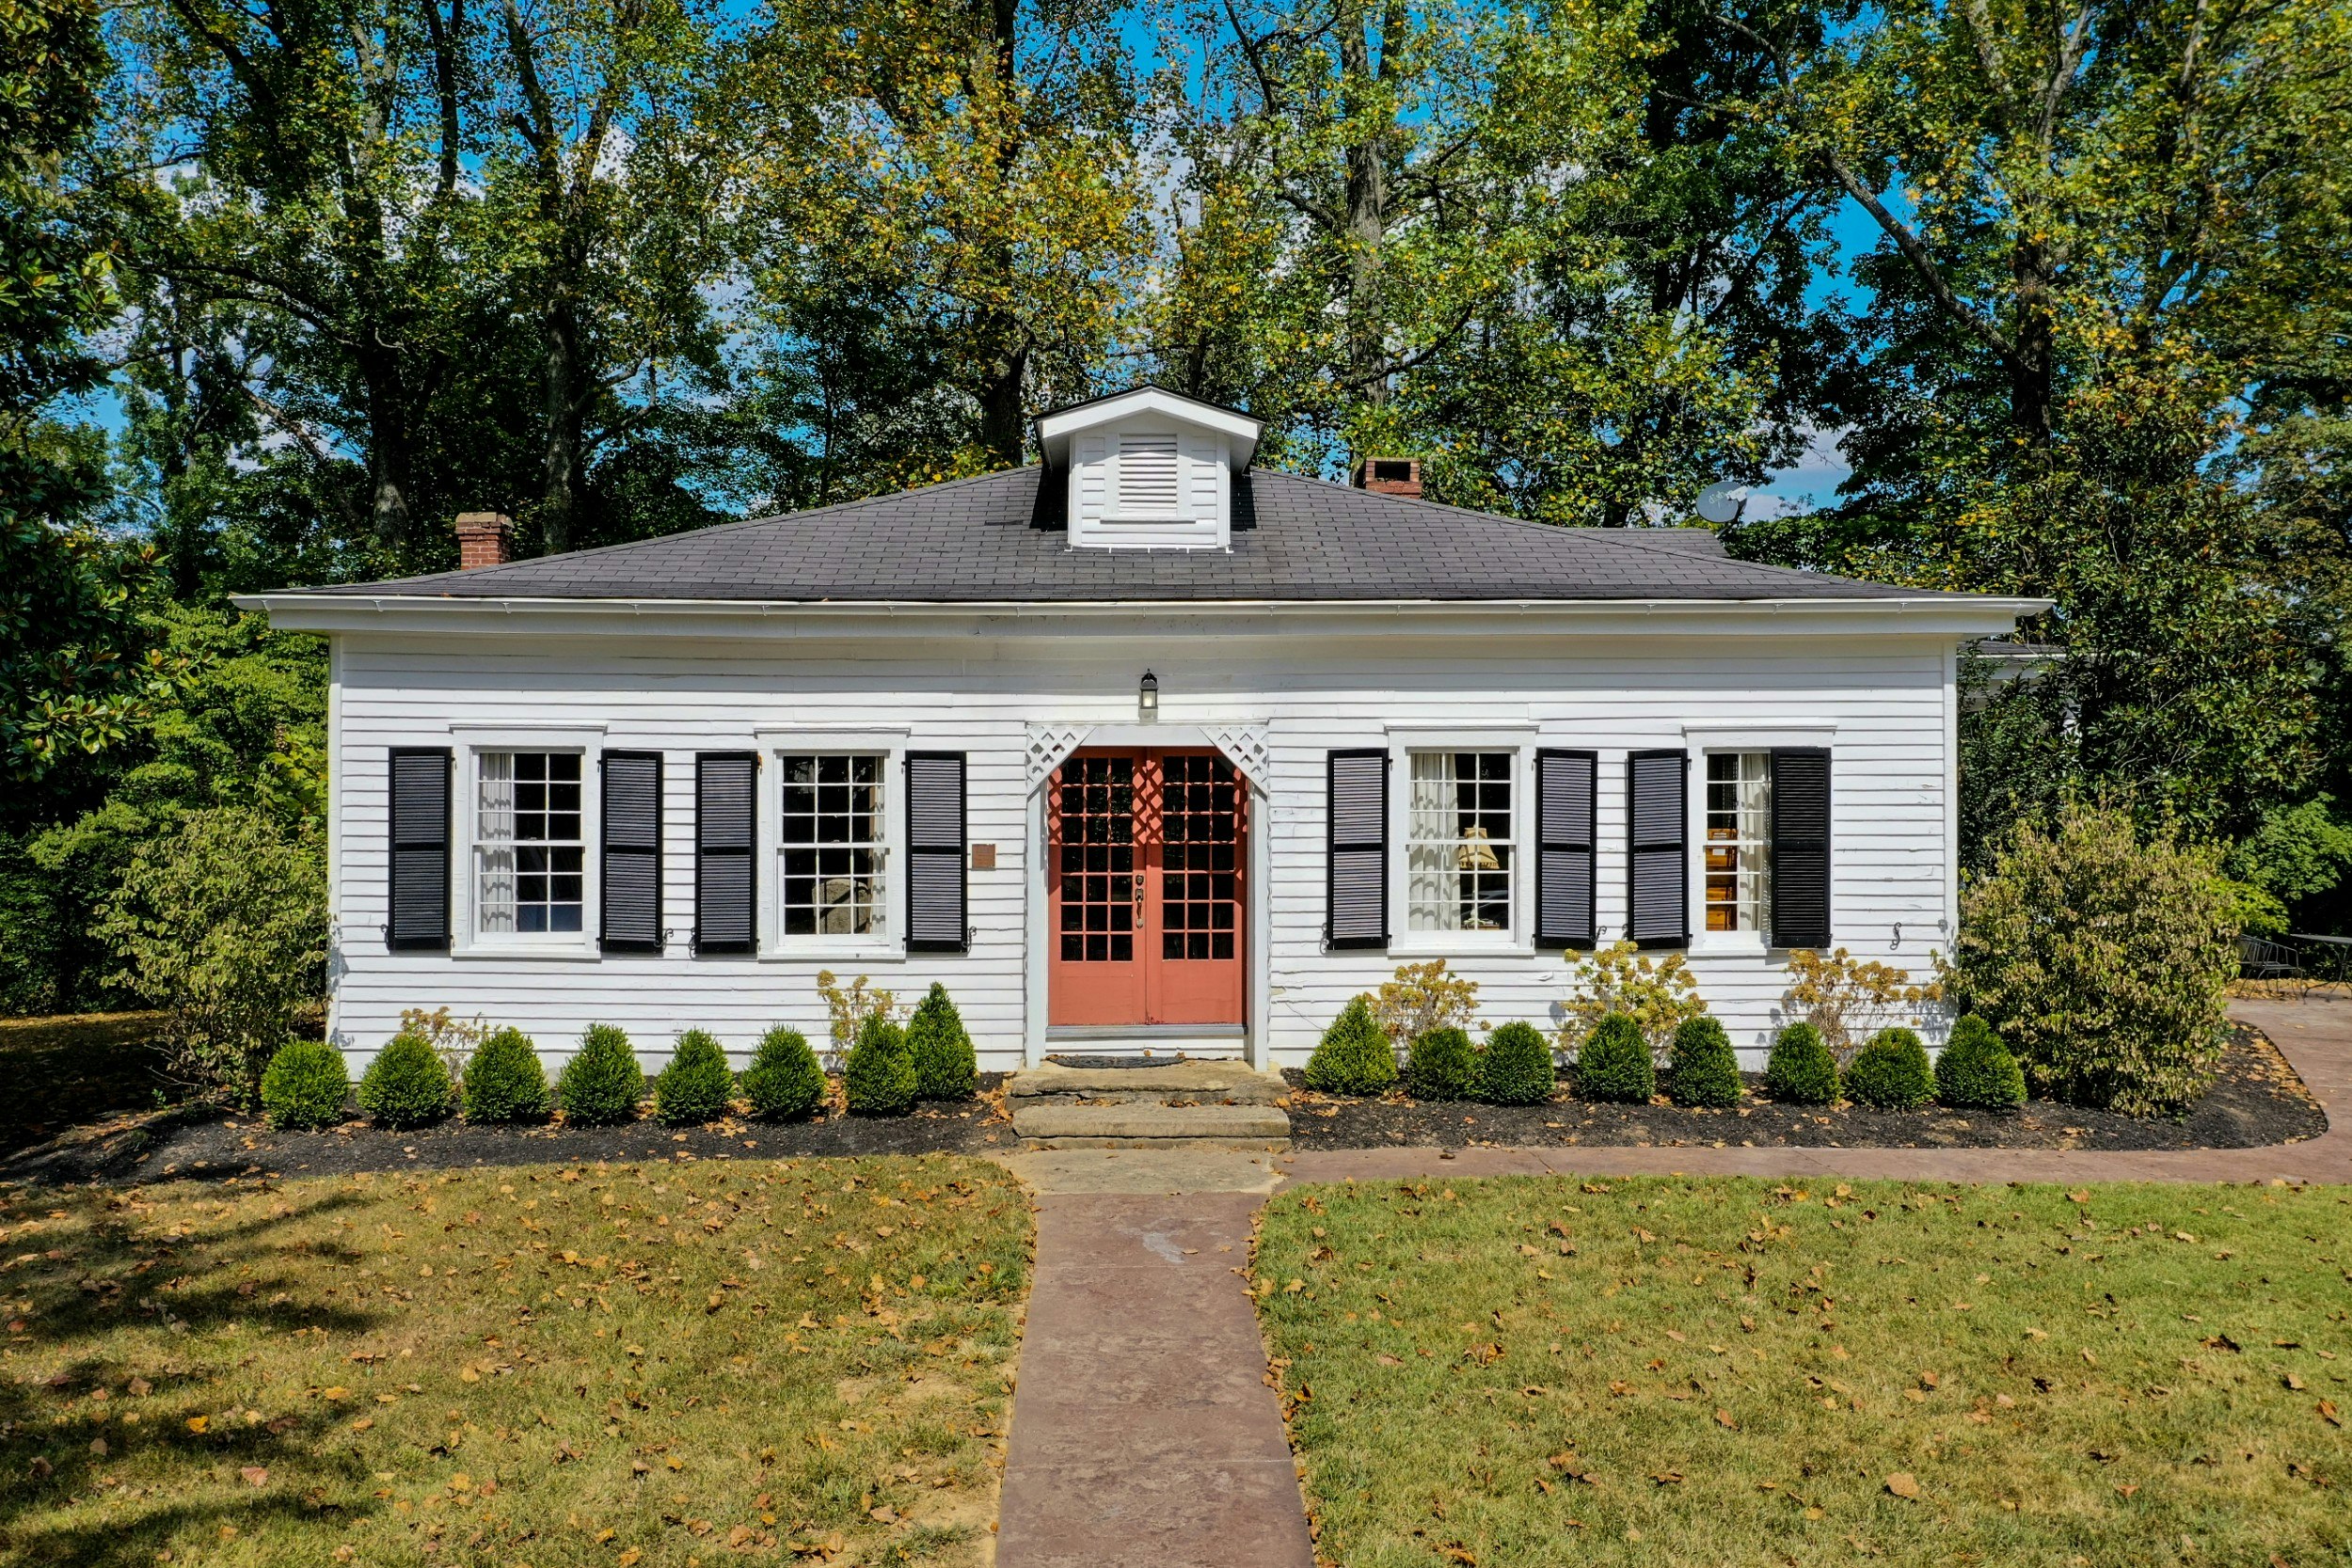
column 631, row 879
column 726, row 790
column 1800, row 847
column 1564, row 787
column 1657, row 890
column 1355, row 874
column 420, row 860
column 935, row 887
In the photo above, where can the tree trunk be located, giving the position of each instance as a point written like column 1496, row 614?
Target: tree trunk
column 2032, row 371
column 387, row 448
column 1367, row 226
column 1002, row 425
column 559, row 407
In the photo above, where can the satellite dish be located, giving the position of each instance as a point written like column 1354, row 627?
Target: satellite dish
column 1723, row 503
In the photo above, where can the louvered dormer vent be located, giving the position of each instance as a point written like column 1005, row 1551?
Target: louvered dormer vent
column 1149, row 469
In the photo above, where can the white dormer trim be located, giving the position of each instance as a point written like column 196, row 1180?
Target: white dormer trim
column 1149, row 469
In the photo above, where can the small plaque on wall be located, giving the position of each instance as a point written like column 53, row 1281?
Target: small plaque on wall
column 983, row 857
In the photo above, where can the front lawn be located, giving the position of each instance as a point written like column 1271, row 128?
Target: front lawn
column 76, row 1068
column 1535, row 1371
column 630, row 1365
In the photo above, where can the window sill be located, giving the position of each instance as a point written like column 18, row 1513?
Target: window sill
column 808, row 952
column 1726, row 944
column 568, row 952
column 1429, row 944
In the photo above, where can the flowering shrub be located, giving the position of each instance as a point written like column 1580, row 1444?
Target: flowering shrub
column 1656, row 992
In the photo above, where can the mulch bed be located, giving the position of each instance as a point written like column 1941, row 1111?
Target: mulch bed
column 2256, row 1102
column 200, row 1145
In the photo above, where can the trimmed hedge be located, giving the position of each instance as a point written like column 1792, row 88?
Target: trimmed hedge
column 879, row 1077
column 503, row 1079
column 1975, row 1071
column 1614, row 1063
column 1891, row 1072
column 696, row 1085
column 305, row 1086
column 785, row 1078
column 602, row 1083
column 1803, row 1069
column 1516, row 1067
column 1441, row 1065
column 1702, row 1068
column 1354, row 1055
column 946, row 1066
column 406, row 1085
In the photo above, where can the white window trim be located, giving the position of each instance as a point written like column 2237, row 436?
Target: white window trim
column 1405, row 942
column 776, row 744
column 469, row 742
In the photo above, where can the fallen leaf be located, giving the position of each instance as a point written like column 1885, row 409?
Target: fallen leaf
column 198, row 1424
column 1723, row 1418
column 1903, row 1483
column 255, row 1475
column 2328, row 1412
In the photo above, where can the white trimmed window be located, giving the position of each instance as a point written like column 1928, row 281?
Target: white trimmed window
column 833, row 837
column 1459, row 844
column 529, row 858
column 1738, row 849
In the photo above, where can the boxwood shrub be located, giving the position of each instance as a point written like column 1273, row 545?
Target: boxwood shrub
column 1516, row 1067
column 602, row 1083
column 1702, row 1068
column 408, row 1085
column 1441, row 1065
column 1891, row 1072
column 1803, row 1069
column 946, row 1066
column 503, row 1081
column 1614, row 1063
column 696, row 1085
column 1354, row 1055
column 879, row 1077
column 785, row 1078
column 305, row 1085
column 1975, row 1071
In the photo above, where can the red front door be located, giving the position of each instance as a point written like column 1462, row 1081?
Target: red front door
column 1145, row 892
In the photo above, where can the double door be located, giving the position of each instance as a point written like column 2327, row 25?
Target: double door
column 1145, row 894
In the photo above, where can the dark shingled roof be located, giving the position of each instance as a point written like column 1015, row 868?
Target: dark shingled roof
column 1002, row 538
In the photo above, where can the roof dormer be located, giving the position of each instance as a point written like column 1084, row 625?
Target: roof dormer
column 1148, row 469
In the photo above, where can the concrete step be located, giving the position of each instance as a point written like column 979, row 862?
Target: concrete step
column 1056, row 1119
column 1186, row 1080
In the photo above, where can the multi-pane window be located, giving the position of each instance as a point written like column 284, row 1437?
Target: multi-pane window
column 1458, row 847
column 1199, row 857
column 1740, row 841
column 529, row 856
column 833, row 842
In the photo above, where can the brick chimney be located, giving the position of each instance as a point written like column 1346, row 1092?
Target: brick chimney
column 484, row 539
column 1390, row 476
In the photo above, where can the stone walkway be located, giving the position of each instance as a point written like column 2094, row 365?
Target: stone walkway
column 1143, row 1431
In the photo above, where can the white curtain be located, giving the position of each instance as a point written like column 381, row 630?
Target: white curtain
column 1433, row 894
column 494, row 844
column 1756, row 835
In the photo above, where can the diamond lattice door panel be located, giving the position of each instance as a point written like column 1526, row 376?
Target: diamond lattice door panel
column 1145, row 891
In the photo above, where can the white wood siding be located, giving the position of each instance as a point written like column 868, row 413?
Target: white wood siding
column 1887, row 698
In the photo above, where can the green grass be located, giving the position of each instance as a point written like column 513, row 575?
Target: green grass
column 1538, row 1371
column 637, row 1365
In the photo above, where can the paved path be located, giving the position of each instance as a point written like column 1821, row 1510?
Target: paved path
column 1143, row 1433
column 2314, row 1035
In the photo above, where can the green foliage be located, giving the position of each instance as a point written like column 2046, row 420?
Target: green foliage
column 1655, row 991
column 503, row 1079
column 2293, row 853
column 1422, row 997
column 784, row 1079
column 1441, row 1064
column 1614, row 1063
column 1702, row 1067
column 698, row 1083
column 878, row 1078
column 222, row 923
column 406, row 1085
column 2101, row 961
column 602, row 1083
column 1891, row 1072
column 1516, row 1067
column 1801, row 1070
column 305, row 1086
column 1354, row 1055
column 1975, row 1071
column 946, row 1066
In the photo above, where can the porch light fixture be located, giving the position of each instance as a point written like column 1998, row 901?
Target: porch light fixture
column 1148, row 699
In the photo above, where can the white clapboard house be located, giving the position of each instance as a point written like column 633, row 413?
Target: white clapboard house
column 1139, row 749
